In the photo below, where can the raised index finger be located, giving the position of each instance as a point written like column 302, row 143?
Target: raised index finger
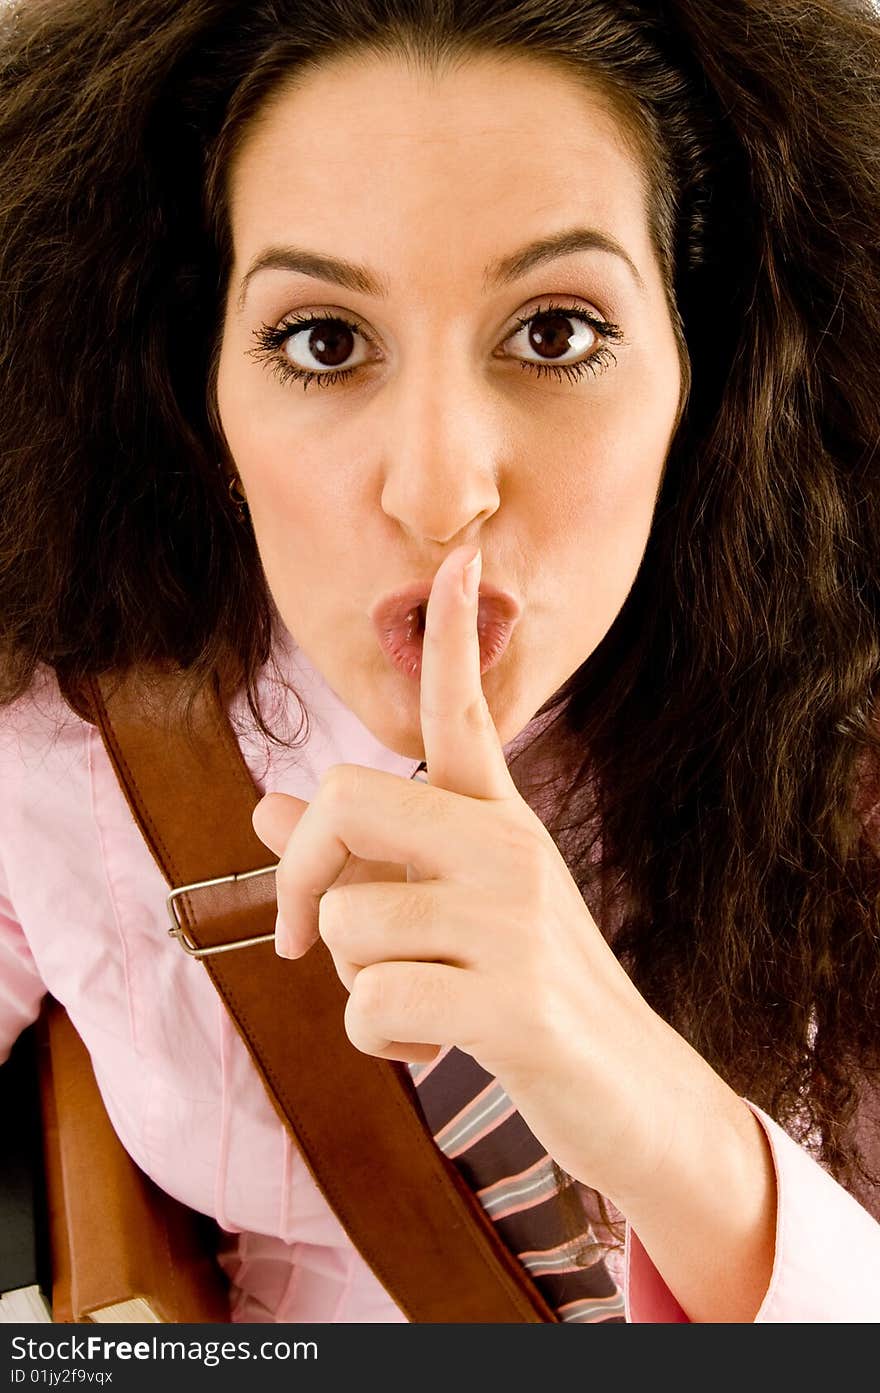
column 463, row 750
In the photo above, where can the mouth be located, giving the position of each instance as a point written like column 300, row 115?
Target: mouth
column 399, row 621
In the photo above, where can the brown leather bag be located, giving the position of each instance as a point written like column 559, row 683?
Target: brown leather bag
column 355, row 1119
column 121, row 1248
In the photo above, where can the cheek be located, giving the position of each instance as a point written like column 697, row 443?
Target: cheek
column 296, row 493
column 304, row 530
column 626, row 450
column 598, row 504
column 260, row 425
column 607, row 487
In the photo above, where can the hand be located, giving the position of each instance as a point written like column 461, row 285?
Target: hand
column 452, row 918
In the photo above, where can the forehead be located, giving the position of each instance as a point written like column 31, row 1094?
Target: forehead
column 371, row 154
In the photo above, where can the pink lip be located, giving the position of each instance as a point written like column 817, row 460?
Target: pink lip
column 399, row 629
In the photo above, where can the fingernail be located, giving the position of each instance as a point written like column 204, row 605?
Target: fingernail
column 283, row 940
column 470, row 577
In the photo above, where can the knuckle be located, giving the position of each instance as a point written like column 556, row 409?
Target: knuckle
column 419, row 998
column 524, row 843
column 357, row 1021
column 333, row 917
column 518, row 837
column 476, row 715
column 368, row 994
column 442, row 808
column 414, row 911
column 337, row 784
column 284, row 882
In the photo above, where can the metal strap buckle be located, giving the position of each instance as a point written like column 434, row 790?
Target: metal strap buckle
column 178, row 930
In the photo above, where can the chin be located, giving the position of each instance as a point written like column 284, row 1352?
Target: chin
column 408, row 749
column 391, row 721
column 389, row 708
column 402, row 738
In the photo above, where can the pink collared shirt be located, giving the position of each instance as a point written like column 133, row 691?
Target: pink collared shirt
column 83, row 916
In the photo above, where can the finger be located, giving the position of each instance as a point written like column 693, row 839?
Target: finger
column 274, row 820
column 375, row 816
column 463, row 750
column 409, row 1054
column 425, row 922
column 275, row 817
column 393, row 1005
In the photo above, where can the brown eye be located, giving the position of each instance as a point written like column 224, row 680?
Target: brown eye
column 332, row 345
column 328, row 340
column 325, row 343
column 551, row 334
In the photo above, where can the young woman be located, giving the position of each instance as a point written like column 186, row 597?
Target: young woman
column 501, row 379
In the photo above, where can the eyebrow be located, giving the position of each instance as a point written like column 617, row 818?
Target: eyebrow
column 501, row 272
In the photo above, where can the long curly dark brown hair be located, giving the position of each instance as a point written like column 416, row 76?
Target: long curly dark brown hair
column 724, row 735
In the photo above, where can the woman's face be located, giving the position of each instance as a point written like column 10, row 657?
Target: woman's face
column 445, row 431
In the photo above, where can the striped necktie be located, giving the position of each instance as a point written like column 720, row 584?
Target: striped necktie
column 475, row 1125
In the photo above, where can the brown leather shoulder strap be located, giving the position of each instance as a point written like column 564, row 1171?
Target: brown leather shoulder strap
column 355, row 1118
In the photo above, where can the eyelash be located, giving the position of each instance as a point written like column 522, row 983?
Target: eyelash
column 270, row 342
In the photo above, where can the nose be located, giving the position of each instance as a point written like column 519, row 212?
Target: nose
column 441, row 462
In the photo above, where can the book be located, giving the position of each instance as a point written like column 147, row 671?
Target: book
column 25, row 1274
column 121, row 1248
column 24, row 1306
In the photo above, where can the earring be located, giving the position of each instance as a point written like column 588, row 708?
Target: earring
column 238, row 497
